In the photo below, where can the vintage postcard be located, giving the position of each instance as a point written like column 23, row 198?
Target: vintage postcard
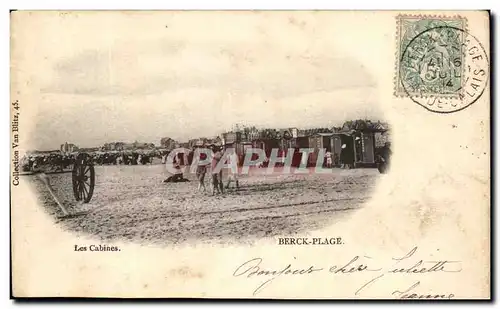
column 250, row 154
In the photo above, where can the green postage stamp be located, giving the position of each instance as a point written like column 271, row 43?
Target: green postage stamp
column 430, row 58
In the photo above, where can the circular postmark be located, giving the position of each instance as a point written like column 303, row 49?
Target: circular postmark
column 444, row 69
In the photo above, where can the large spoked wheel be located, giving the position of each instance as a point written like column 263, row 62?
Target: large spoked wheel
column 83, row 177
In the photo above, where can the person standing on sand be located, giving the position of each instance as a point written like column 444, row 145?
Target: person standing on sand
column 328, row 157
column 233, row 175
column 343, row 156
column 217, row 175
column 201, row 171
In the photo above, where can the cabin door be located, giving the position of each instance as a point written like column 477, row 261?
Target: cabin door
column 368, row 148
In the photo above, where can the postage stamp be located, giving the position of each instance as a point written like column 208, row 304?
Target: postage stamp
column 431, row 64
column 437, row 61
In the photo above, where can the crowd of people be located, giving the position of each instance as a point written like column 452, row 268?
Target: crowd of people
column 63, row 161
column 53, row 161
column 124, row 158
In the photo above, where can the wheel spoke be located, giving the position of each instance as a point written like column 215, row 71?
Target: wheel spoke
column 86, row 193
column 88, row 189
column 78, row 189
column 81, row 190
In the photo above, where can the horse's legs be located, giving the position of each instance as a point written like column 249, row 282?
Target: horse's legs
column 221, row 183
column 201, row 183
column 215, row 184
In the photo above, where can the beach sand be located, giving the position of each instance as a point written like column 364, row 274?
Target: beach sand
column 131, row 203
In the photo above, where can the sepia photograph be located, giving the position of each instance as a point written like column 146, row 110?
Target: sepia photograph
column 124, row 190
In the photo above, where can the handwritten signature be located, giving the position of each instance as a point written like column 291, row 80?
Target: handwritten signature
column 405, row 265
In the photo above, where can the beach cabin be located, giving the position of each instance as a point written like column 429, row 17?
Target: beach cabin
column 319, row 141
column 364, row 149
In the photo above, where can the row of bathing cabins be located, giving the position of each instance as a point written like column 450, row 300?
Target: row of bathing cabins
column 362, row 140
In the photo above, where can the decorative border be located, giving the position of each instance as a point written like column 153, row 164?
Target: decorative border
column 399, row 18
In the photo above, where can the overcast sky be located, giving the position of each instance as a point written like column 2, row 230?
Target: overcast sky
column 126, row 77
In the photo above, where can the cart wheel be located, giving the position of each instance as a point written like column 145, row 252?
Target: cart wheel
column 83, row 177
